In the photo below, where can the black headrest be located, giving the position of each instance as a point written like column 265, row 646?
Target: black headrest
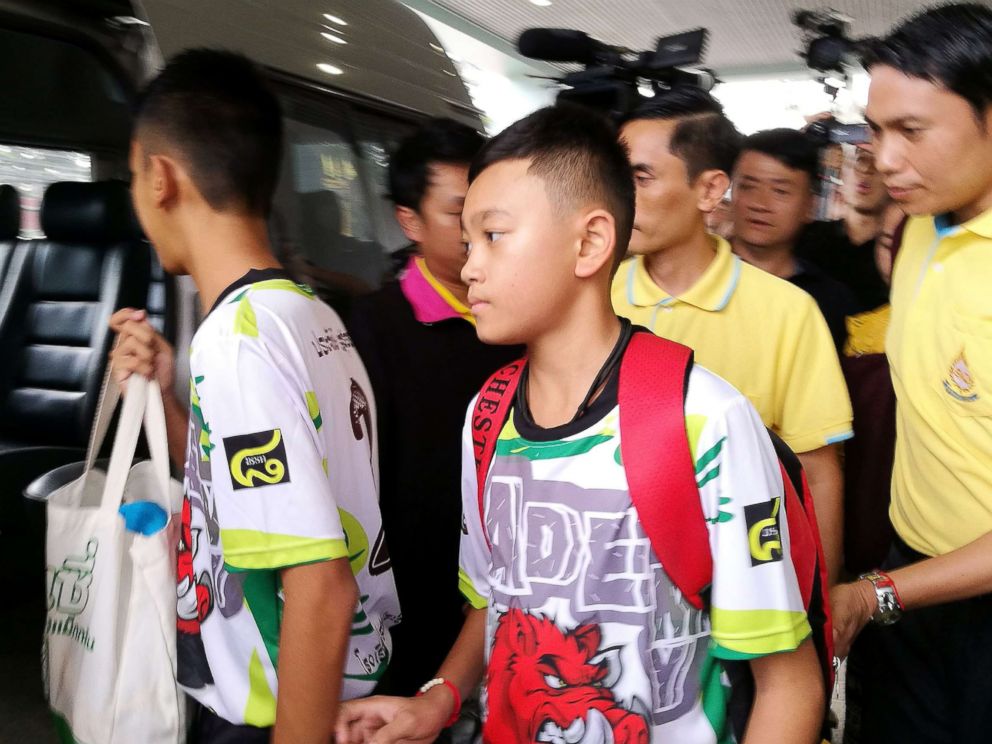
column 97, row 212
column 10, row 213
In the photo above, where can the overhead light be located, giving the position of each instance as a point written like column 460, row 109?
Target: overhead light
column 4, row 148
column 52, row 171
column 82, row 162
column 449, row 72
column 18, row 167
column 333, row 37
column 27, row 155
column 436, row 47
column 335, row 19
column 541, row 3
column 329, row 69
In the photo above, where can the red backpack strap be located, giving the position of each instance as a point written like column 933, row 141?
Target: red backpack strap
column 658, row 462
column 488, row 417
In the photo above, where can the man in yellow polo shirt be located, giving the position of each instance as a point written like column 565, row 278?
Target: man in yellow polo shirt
column 926, row 677
column 761, row 333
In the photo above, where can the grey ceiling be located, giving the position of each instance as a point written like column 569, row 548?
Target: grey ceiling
column 745, row 35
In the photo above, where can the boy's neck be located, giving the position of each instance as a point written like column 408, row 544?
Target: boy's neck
column 775, row 259
column 677, row 268
column 225, row 248
column 564, row 362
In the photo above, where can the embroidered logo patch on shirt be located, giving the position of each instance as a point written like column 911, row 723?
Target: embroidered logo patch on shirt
column 959, row 383
column 258, row 459
column 764, row 537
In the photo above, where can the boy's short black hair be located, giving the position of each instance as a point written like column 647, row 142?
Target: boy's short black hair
column 704, row 138
column 792, row 148
column 437, row 141
column 214, row 108
column 575, row 151
column 950, row 45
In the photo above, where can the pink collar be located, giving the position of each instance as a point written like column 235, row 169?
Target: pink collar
column 430, row 300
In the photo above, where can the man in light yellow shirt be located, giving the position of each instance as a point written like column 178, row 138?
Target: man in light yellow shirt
column 761, row 333
column 926, row 677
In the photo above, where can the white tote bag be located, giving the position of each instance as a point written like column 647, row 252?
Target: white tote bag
column 110, row 633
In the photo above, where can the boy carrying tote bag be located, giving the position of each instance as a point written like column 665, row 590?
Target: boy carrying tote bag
column 110, row 633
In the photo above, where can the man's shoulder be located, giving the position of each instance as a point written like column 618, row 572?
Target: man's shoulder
column 384, row 302
column 618, row 285
column 757, row 288
column 272, row 313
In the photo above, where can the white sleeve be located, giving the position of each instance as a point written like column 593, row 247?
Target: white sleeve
column 273, row 500
column 475, row 555
column 755, row 604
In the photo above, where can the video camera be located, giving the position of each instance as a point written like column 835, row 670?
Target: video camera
column 613, row 77
column 830, row 50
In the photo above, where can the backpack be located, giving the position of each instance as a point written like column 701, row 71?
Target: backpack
column 654, row 375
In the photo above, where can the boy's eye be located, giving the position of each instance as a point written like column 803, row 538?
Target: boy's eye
column 466, row 246
column 492, row 237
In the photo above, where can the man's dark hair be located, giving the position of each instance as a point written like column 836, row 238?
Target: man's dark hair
column 215, row 110
column 575, row 151
column 793, row 149
column 950, row 45
column 704, row 138
column 437, row 141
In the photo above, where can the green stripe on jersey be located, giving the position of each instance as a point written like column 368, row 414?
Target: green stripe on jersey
column 714, row 697
column 745, row 634
column 468, row 590
column 520, row 447
column 261, row 592
column 250, row 550
column 313, row 408
column 260, row 710
column 245, row 323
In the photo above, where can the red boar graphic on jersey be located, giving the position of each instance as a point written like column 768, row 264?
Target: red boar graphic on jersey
column 549, row 685
column 193, row 594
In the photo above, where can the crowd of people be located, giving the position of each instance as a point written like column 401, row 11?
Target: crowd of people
column 442, row 517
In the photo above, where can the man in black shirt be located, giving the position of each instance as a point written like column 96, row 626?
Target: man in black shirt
column 845, row 249
column 773, row 202
column 425, row 362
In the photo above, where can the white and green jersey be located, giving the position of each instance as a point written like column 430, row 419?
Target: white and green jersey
column 588, row 639
column 281, row 470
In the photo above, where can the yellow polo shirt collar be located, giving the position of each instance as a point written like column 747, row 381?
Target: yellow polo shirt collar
column 980, row 225
column 712, row 292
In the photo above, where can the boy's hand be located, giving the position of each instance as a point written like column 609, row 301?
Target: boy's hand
column 140, row 349
column 395, row 720
column 851, row 607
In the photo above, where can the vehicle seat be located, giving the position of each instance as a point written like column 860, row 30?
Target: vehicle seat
column 12, row 252
column 56, row 340
column 161, row 303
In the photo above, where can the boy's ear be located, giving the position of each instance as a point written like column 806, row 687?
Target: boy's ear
column 599, row 239
column 411, row 224
column 711, row 187
column 165, row 177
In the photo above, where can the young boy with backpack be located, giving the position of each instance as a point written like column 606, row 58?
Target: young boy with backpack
column 635, row 536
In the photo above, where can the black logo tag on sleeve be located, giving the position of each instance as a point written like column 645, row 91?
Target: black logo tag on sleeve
column 764, row 536
column 256, row 460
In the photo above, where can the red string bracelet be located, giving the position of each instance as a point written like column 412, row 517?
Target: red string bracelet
column 454, row 692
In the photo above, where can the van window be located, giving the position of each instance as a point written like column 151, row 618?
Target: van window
column 31, row 170
column 321, row 209
column 377, row 137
